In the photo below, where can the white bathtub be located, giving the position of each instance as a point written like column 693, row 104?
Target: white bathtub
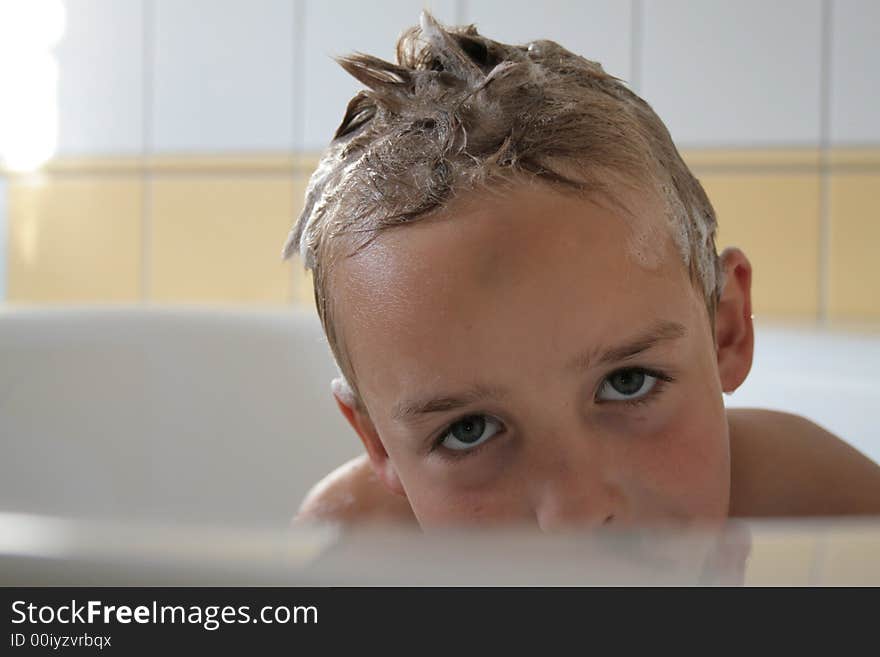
column 829, row 376
column 226, row 416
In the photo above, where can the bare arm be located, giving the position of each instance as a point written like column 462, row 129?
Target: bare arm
column 786, row 465
column 353, row 494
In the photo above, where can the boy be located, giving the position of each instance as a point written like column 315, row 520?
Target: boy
column 517, row 276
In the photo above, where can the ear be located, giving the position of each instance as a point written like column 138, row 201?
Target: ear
column 734, row 333
column 363, row 427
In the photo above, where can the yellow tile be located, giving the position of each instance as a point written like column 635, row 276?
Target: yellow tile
column 751, row 157
column 74, row 240
column 851, row 558
column 219, row 238
column 856, row 156
column 854, row 269
column 303, row 291
column 781, row 559
column 220, row 163
column 307, row 162
column 95, row 164
column 279, row 163
column 774, row 219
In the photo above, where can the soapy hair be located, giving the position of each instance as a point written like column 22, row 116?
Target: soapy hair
column 459, row 112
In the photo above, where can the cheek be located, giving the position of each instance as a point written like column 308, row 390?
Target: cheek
column 688, row 464
column 450, row 508
column 440, row 497
column 690, row 458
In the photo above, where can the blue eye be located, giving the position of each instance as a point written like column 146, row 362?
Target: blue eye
column 629, row 384
column 469, row 432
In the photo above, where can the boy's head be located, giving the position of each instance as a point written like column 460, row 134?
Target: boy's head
column 517, row 276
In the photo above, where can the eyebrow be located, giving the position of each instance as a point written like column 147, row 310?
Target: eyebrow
column 661, row 331
column 407, row 410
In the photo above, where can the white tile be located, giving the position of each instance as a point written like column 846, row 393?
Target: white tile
column 3, row 239
column 855, row 72
column 739, row 73
column 599, row 30
column 100, row 78
column 223, row 75
column 341, row 27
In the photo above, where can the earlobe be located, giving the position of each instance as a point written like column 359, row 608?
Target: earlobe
column 734, row 331
column 363, row 427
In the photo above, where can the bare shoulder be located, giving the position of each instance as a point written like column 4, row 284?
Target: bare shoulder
column 785, row 465
column 353, row 494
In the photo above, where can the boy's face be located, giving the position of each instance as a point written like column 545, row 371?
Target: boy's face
column 534, row 357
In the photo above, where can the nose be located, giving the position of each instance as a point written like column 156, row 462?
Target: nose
column 575, row 496
column 558, row 513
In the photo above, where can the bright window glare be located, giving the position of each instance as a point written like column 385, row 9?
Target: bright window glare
column 29, row 30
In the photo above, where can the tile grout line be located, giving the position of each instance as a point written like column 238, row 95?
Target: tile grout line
column 825, row 91
column 146, row 149
column 635, row 46
column 298, row 74
column 460, row 11
column 298, row 127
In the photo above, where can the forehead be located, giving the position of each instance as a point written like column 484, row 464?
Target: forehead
column 494, row 273
column 499, row 234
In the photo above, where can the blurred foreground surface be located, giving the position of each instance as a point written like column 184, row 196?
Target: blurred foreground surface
column 42, row 550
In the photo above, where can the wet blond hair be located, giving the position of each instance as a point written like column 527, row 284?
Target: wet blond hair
column 459, row 111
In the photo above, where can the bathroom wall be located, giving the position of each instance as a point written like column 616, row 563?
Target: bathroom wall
column 3, row 233
column 186, row 131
